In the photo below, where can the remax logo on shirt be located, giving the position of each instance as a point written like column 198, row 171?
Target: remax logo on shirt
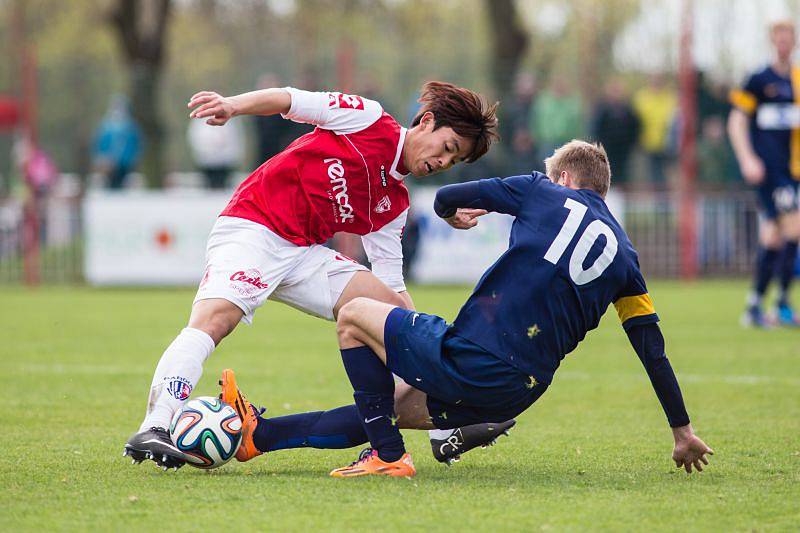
column 339, row 191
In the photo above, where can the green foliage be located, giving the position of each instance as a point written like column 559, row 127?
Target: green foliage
column 592, row 454
column 79, row 68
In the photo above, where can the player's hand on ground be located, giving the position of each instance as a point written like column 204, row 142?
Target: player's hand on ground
column 753, row 170
column 690, row 450
column 465, row 218
column 217, row 108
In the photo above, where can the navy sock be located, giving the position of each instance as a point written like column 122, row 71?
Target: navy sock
column 788, row 264
column 765, row 269
column 374, row 395
column 337, row 428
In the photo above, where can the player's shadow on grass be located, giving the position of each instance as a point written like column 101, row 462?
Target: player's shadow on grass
column 501, row 475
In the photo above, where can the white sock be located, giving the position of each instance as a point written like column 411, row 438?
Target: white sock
column 754, row 299
column 440, row 434
column 176, row 375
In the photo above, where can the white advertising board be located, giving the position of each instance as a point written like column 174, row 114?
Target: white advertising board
column 159, row 238
column 148, row 237
column 447, row 255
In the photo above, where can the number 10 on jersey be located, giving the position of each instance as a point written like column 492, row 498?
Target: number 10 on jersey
column 590, row 235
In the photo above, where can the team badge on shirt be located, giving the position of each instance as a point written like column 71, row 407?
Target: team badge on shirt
column 384, row 205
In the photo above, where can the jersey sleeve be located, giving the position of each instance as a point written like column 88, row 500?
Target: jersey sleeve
column 746, row 97
column 337, row 112
column 633, row 304
column 505, row 195
column 385, row 252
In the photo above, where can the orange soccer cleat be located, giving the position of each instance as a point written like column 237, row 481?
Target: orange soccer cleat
column 369, row 463
column 246, row 411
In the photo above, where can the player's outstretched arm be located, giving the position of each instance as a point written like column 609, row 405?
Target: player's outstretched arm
column 459, row 204
column 220, row 109
column 690, row 451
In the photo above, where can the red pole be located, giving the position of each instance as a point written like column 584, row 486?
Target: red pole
column 345, row 65
column 687, row 222
column 27, row 92
column 31, row 228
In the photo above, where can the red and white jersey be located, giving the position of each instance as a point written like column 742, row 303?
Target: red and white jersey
column 346, row 175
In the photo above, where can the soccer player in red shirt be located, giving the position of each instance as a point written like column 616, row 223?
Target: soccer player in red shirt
column 346, row 175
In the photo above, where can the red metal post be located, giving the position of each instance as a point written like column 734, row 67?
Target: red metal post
column 687, row 211
column 27, row 91
column 345, row 65
column 31, row 211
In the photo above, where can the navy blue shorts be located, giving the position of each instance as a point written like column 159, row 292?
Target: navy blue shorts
column 465, row 384
column 775, row 199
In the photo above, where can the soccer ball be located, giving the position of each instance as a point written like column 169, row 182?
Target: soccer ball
column 208, row 431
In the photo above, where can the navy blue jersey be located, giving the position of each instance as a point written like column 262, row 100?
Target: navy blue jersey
column 567, row 260
column 770, row 101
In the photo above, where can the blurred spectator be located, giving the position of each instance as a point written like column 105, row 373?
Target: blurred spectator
column 616, row 127
column 523, row 157
column 712, row 98
column 655, row 106
column 217, row 150
column 556, row 117
column 37, row 168
column 274, row 133
column 117, row 143
column 410, row 244
column 714, row 154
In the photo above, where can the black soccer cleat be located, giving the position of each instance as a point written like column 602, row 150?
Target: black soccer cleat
column 155, row 444
column 464, row 439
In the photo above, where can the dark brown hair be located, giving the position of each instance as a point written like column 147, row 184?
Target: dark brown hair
column 587, row 162
column 466, row 112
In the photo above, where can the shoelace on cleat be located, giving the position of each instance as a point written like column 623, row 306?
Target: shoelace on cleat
column 365, row 454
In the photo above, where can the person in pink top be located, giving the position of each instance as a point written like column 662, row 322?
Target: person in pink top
column 268, row 243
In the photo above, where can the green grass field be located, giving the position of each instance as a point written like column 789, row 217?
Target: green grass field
column 593, row 453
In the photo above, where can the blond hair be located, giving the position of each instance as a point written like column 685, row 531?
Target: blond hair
column 586, row 162
column 783, row 24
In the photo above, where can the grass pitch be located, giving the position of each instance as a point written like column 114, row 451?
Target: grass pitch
column 593, row 453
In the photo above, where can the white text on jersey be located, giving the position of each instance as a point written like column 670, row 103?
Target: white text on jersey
column 339, row 182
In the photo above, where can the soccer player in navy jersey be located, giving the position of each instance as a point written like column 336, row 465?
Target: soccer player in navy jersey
column 567, row 260
column 764, row 128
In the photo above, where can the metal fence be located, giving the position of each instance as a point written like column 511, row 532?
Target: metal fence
column 726, row 232
column 726, row 224
column 60, row 254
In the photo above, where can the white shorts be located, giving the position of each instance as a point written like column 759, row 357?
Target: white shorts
column 247, row 264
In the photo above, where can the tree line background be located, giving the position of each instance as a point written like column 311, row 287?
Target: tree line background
column 159, row 52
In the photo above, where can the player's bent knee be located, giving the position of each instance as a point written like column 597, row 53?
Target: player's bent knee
column 347, row 328
column 771, row 241
column 217, row 318
column 770, row 236
column 350, row 311
column 791, row 232
column 395, row 299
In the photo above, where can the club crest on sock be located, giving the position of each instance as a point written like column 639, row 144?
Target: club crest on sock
column 178, row 387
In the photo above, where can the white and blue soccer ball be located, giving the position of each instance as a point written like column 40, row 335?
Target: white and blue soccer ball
column 207, row 430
